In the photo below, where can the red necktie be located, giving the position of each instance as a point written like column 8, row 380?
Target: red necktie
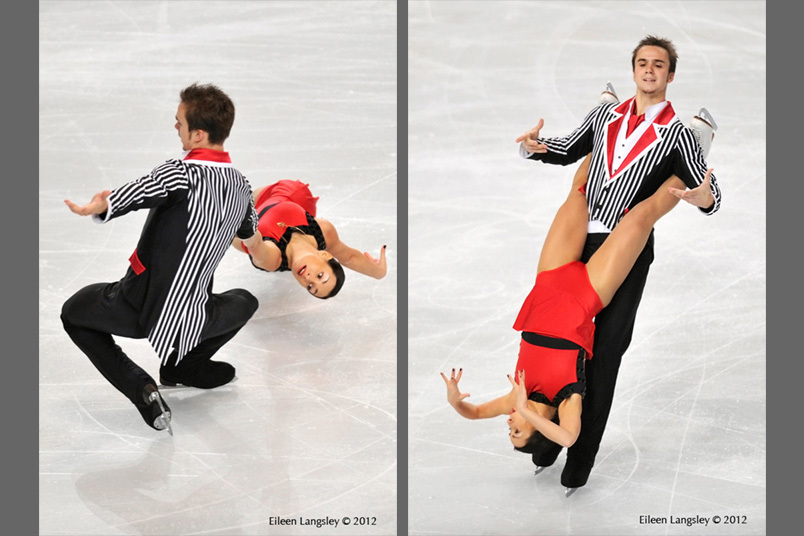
column 633, row 122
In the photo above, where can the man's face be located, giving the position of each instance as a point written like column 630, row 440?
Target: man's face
column 652, row 70
column 181, row 127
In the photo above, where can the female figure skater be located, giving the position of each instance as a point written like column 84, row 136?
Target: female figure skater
column 303, row 244
column 544, row 404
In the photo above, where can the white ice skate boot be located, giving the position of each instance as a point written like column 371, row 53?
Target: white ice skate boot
column 609, row 95
column 703, row 126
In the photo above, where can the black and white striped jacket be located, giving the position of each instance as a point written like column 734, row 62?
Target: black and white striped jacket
column 197, row 205
column 667, row 147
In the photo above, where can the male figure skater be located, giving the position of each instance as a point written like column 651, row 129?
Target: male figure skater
column 636, row 145
column 196, row 204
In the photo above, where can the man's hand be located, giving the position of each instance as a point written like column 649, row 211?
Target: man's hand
column 263, row 253
column 454, row 396
column 98, row 205
column 700, row 196
column 528, row 139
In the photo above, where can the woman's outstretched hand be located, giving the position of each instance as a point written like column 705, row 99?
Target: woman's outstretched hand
column 454, row 396
column 382, row 268
column 520, row 394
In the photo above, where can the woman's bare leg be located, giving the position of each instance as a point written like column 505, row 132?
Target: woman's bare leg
column 610, row 264
column 256, row 193
column 567, row 234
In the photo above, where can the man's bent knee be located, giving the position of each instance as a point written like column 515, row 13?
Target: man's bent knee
column 248, row 301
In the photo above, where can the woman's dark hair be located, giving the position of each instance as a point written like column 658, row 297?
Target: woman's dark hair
column 208, row 109
column 537, row 444
column 337, row 270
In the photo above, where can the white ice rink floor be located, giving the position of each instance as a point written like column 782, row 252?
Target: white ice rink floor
column 686, row 436
column 308, row 431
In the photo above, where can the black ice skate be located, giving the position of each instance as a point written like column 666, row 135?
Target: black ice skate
column 155, row 411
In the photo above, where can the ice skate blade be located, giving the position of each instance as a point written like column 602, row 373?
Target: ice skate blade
column 609, row 95
column 163, row 421
column 171, row 386
column 569, row 491
column 706, row 116
column 168, row 386
column 539, row 469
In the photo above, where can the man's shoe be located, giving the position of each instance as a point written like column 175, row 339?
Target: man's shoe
column 208, row 375
column 703, row 126
column 575, row 474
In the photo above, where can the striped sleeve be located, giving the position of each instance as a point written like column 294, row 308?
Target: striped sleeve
column 248, row 227
column 691, row 168
column 569, row 149
column 150, row 191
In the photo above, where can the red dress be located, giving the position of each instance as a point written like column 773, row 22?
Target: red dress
column 562, row 304
column 560, row 308
column 284, row 208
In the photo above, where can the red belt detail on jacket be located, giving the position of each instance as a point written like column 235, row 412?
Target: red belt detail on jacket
column 136, row 265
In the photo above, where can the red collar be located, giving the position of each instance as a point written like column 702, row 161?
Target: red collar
column 208, row 154
column 629, row 107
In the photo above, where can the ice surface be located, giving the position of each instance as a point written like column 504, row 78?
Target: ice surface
column 308, row 430
column 686, row 435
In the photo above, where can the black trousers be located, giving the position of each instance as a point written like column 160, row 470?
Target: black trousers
column 614, row 327
column 96, row 312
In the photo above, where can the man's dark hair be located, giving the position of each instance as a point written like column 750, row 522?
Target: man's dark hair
column 340, row 276
column 208, row 109
column 653, row 41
